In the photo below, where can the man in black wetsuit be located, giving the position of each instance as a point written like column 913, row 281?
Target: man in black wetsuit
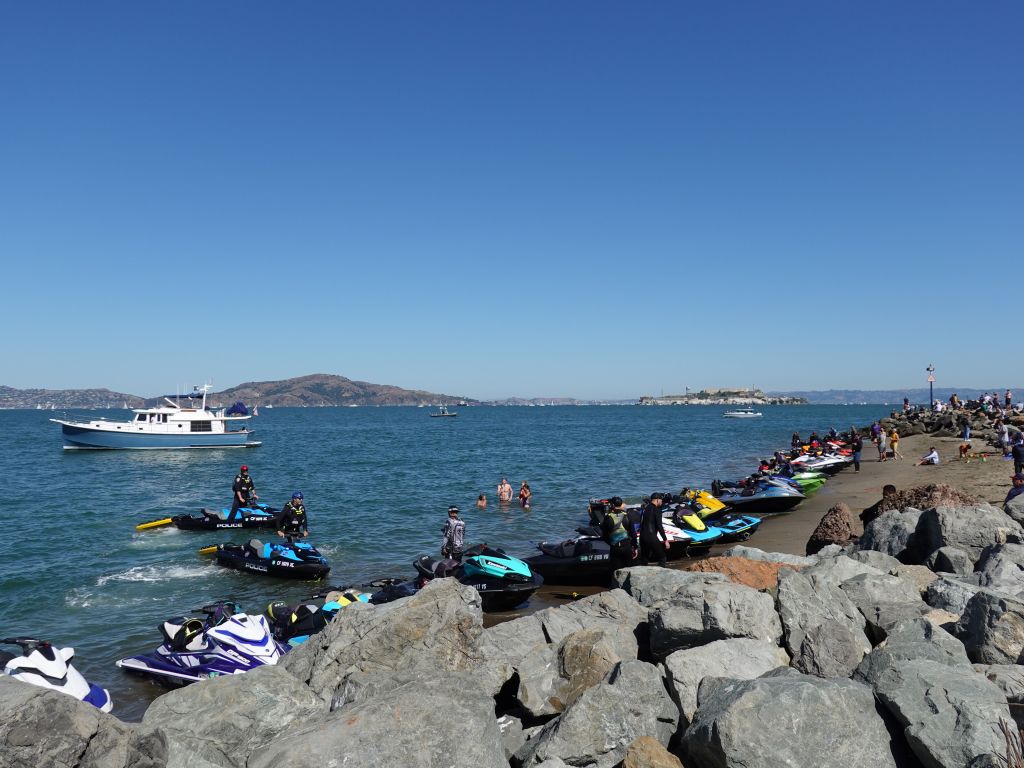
column 293, row 520
column 653, row 539
column 620, row 536
column 244, row 490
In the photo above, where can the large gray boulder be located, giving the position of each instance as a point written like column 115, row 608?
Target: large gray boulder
column 597, row 728
column 950, row 714
column 39, row 727
column 822, row 629
column 877, row 560
column 950, row 594
column 834, row 571
column 992, row 628
column 801, row 721
column 705, row 613
column 1001, row 567
column 442, row 720
column 502, row 647
column 737, row 658
column 894, row 533
column 883, row 601
column 552, row 677
column 214, row 722
column 1014, row 508
column 1009, row 678
column 650, row 585
column 435, row 629
column 950, row 560
column 968, row 528
column 752, row 553
column 620, row 616
column 910, row 640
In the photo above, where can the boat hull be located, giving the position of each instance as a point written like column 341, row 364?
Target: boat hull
column 85, row 438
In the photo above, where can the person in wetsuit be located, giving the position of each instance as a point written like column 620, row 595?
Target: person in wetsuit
column 244, row 491
column 653, row 539
column 620, row 536
column 293, row 520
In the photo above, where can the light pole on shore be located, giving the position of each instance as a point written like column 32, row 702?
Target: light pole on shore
column 931, row 385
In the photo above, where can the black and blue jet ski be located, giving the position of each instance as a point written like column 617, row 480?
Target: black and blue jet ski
column 580, row 560
column 285, row 559
column 256, row 515
column 504, row 582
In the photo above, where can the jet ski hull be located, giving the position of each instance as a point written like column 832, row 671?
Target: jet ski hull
column 241, row 558
column 762, row 505
column 207, row 522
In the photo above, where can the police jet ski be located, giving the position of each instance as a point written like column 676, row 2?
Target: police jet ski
column 503, row 581
column 47, row 667
column 288, row 559
column 256, row 515
column 225, row 642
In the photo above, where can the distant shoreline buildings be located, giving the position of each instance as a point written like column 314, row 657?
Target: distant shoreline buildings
column 720, row 396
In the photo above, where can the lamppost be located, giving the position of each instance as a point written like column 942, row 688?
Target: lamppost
column 931, row 385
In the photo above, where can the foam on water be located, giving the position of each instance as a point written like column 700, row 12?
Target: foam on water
column 158, row 573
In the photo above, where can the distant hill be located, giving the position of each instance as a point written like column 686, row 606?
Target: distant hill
column 916, row 395
column 322, row 389
column 60, row 399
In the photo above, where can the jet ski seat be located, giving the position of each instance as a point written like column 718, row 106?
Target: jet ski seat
column 256, row 546
column 445, row 568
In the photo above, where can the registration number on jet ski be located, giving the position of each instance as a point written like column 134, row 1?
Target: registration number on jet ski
column 585, row 558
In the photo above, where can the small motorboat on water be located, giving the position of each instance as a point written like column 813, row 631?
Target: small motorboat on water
column 166, row 426
column 743, row 413
column 443, row 412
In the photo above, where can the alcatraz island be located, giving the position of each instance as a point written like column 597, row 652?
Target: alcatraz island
column 723, row 397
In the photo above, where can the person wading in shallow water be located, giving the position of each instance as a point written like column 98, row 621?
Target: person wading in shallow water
column 525, row 494
column 504, row 491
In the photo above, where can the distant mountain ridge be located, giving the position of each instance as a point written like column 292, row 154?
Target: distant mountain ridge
column 59, row 399
column 324, row 389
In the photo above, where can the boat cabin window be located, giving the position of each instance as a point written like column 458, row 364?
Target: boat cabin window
column 201, row 426
column 140, row 417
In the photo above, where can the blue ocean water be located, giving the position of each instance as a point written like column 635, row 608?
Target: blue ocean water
column 377, row 483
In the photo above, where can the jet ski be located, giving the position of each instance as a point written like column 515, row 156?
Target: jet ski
column 503, row 581
column 578, row 560
column 295, row 624
column 830, row 464
column 257, row 515
column 48, row 667
column 225, row 642
column 735, row 527
column 287, row 560
column 758, row 497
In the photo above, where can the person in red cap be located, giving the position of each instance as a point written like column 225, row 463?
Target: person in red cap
column 245, row 491
column 1018, row 487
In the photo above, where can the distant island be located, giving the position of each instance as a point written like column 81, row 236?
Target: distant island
column 324, row 390
column 723, row 397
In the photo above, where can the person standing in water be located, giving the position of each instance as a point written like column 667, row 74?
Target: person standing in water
column 504, row 491
column 525, row 494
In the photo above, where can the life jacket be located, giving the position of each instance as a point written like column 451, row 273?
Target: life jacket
column 614, row 523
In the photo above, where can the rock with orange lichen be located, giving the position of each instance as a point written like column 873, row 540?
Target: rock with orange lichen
column 759, row 574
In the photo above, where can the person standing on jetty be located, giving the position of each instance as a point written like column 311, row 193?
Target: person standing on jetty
column 1018, row 453
column 894, row 441
column 857, row 444
column 453, row 535
column 883, row 446
column 653, row 539
column 504, row 491
column 244, row 490
column 620, row 536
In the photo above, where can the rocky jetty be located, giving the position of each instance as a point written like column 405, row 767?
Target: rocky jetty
column 895, row 661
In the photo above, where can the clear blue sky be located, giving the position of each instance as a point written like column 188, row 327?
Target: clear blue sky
column 590, row 199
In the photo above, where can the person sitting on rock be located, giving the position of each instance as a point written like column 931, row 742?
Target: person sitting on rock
column 875, row 510
column 1018, row 487
column 931, row 458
